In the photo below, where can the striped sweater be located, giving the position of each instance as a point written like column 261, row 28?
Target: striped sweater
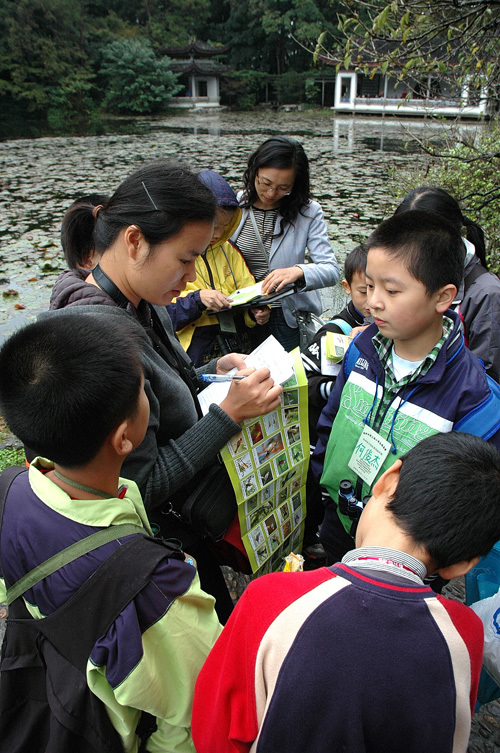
column 340, row 659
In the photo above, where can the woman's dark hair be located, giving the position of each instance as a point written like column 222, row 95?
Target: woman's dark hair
column 281, row 152
column 439, row 201
column 160, row 199
column 78, row 246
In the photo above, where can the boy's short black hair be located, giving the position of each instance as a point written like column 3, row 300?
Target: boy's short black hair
column 355, row 261
column 430, row 247
column 67, row 381
column 448, row 496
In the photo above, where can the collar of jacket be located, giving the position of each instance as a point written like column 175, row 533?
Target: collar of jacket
column 452, row 346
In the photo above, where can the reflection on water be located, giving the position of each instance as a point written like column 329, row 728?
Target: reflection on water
column 349, row 157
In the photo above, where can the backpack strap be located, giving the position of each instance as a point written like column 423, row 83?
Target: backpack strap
column 350, row 359
column 484, row 420
column 71, row 553
column 106, row 593
column 7, row 476
column 477, row 271
column 341, row 324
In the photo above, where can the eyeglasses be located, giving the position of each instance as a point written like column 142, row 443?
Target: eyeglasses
column 268, row 187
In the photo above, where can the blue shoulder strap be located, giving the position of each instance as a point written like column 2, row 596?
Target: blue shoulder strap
column 483, row 421
column 341, row 324
column 350, row 359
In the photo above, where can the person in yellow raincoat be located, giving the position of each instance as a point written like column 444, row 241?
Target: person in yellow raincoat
column 203, row 331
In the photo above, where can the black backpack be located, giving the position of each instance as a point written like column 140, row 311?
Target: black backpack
column 46, row 705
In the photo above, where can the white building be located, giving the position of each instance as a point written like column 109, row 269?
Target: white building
column 357, row 93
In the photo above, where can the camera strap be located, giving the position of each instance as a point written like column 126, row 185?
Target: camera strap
column 109, row 287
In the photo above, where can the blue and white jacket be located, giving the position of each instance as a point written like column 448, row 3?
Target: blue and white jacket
column 454, row 395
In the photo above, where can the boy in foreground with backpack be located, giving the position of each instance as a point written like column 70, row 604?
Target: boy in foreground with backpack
column 320, row 372
column 405, row 377
column 362, row 657
column 73, row 390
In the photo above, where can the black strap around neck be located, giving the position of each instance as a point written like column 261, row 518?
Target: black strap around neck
column 109, row 287
column 209, row 270
column 165, row 348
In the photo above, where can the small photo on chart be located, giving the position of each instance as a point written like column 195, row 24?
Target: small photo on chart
column 293, row 434
column 249, row 486
column 267, row 492
column 271, row 422
column 270, row 524
column 266, row 474
column 290, row 397
column 290, row 415
column 237, row 444
column 243, row 465
column 256, row 433
column 296, row 453
column 284, row 513
column 283, row 494
column 297, row 517
column 296, row 501
column 281, row 464
column 267, row 449
column 257, row 537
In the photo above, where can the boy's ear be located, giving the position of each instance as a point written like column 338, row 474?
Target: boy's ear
column 120, row 441
column 387, row 483
column 346, row 287
column 133, row 238
column 445, row 297
column 460, row 568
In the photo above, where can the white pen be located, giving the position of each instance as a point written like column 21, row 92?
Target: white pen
column 223, row 377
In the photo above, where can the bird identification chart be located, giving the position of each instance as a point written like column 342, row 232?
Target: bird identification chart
column 267, row 463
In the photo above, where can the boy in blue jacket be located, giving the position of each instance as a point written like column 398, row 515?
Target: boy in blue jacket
column 412, row 377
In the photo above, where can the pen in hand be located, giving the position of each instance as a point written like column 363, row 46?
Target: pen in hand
column 223, row 377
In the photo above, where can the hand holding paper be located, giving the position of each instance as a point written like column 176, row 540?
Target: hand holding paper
column 251, row 397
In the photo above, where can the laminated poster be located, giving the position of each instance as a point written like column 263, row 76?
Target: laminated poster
column 267, row 463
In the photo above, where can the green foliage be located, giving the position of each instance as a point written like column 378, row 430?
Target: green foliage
column 458, row 40
column 57, row 59
column 289, row 88
column 311, row 90
column 240, row 89
column 136, row 81
column 40, row 50
column 11, row 456
column 468, row 169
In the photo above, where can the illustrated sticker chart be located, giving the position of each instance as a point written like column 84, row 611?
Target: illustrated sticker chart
column 267, row 463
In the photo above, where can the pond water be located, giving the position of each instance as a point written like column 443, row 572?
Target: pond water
column 39, row 178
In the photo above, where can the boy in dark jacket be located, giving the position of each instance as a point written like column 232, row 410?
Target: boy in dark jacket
column 321, row 373
column 413, row 375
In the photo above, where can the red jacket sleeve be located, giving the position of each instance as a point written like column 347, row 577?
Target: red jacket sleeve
column 224, row 709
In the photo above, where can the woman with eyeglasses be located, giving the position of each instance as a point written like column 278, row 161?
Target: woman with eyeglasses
column 279, row 222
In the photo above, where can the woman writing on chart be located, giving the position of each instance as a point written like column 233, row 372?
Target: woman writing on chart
column 279, row 221
column 149, row 235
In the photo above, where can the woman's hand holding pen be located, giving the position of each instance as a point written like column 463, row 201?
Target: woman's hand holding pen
column 253, row 396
